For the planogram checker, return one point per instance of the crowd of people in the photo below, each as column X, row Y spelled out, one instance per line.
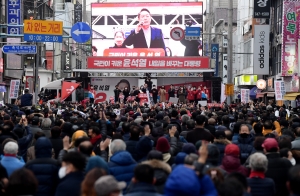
column 187, row 150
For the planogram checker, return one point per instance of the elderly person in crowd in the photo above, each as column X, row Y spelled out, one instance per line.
column 259, row 184
column 46, row 127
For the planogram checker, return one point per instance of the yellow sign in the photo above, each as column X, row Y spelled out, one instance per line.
column 44, row 27
column 229, row 89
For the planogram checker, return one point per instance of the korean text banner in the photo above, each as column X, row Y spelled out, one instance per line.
column 14, row 16
column 261, row 50
column 140, row 26
column 147, row 63
column 290, row 38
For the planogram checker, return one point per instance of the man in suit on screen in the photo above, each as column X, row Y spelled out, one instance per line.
column 145, row 36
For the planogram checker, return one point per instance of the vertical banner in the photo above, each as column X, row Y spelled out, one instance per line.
column 261, row 50
column 77, row 12
column 290, row 37
column 215, row 55
column 14, row 16
column 279, row 90
column 225, row 63
column 262, row 8
column 245, row 95
column 14, row 89
column 66, row 61
column 223, row 96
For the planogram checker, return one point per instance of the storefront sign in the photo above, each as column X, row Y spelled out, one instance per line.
column 261, row 50
column 290, row 37
column 245, row 95
column 14, row 89
column 262, row 8
column 97, row 62
column 279, row 90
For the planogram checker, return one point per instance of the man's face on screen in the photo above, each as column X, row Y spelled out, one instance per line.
column 145, row 17
column 119, row 39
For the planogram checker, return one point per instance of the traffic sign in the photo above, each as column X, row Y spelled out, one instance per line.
column 81, row 32
column 43, row 31
column 192, row 33
column 19, row 49
column 229, row 89
column 177, row 33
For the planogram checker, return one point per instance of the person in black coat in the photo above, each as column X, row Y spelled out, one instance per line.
column 117, row 92
column 96, row 136
column 199, row 133
column 132, row 142
column 149, row 83
column 44, row 167
column 171, row 91
column 154, row 92
column 71, row 174
column 56, row 141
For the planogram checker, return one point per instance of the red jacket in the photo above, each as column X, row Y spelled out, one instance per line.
column 199, row 94
column 191, row 95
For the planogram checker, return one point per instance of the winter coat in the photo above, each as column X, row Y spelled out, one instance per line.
column 44, row 168
column 199, row 134
column 261, row 186
column 233, row 164
column 121, row 166
column 131, row 148
column 246, row 147
column 191, row 95
column 11, row 164
column 181, row 96
column 70, row 185
column 221, row 144
column 161, row 172
column 278, row 170
column 143, row 189
column 57, row 144
column 199, row 94
column 24, row 142
column 162, row 95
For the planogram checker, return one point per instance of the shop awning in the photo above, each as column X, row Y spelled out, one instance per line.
column 290, row 96
column 253, row 93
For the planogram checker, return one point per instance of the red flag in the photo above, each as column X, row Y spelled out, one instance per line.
column 67, row 89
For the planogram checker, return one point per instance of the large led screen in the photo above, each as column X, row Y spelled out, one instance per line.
column 143, row 29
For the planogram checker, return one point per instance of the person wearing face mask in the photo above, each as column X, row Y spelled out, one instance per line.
column 245, row 143
column 71, row 174
column 191, row 94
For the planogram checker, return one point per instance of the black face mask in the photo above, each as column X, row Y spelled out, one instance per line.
column 244, row 135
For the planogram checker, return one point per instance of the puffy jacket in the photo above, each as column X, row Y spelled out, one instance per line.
column 44, row 168
column 221, row 144
column 121, row 166
column 246, row 147
column 233, row 164
column 24, row 141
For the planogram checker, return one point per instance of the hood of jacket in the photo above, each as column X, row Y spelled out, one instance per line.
column 122, row 158
column 43, row 148
column 231, row 163
column 157, row 164
column 96, row 162
column 222, row 141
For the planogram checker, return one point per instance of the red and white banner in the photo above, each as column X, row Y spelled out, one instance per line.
column 142, row 52
column 67, row 89
column 96, row 62
column 216, row 105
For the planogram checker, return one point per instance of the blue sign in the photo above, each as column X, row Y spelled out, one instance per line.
column 81, row 32
column 14, row 16
column 192, row 33
column 19, row 49
column 42, row 38
column 215, row 55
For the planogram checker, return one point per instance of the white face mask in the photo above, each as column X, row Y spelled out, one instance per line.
column 62, row 172
column 293, row 161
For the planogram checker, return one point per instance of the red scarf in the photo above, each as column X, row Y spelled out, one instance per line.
column 95, row 139
column 10, row 155
column 256, row 174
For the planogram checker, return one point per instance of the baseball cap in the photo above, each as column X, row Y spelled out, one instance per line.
column 220, row 134
column 108, row 184
column 270, row 143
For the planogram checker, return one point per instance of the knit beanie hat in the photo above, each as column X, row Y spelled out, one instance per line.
column 233, row 150
column 163, row 145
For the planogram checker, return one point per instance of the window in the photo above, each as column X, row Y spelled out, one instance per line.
column 247, row 56
column 278, row 59
column 278, row 16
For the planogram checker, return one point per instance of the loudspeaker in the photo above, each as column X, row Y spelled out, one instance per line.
column 207, row 75
column 216, row 90
column 84, row 74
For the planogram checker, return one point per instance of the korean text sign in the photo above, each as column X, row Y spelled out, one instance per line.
column 43, row 27
column 214, row 54
column 14, row 16
column 123, row 28
column 149, row 52
column 14, row 89
column 245, row 95
column 290, row 38
column 148, row 63
column 279, row 90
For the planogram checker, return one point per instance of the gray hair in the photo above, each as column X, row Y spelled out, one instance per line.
column 46, row 123
column 117, row 145
column 11, row 148
column 190, row 159
column 258, row 162
column 185, row 118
